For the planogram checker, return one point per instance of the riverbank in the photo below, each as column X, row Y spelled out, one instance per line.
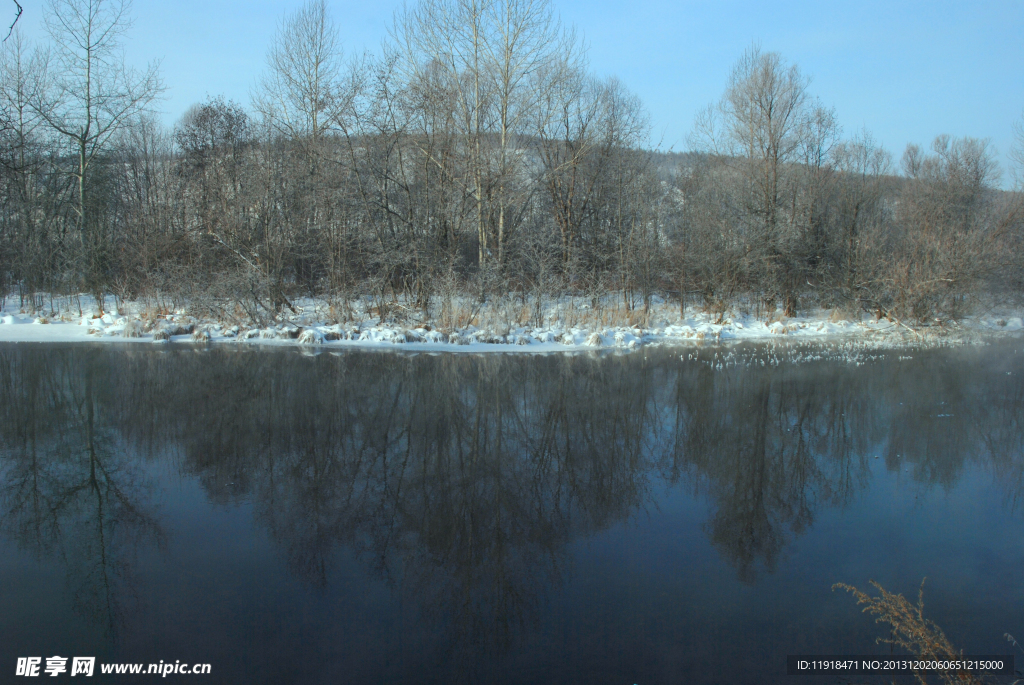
column 564, row 325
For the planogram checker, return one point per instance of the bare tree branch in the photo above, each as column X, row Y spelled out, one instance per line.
column 16, row 18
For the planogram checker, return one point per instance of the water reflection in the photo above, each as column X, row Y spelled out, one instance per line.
column 461, row 480
column 68, row 488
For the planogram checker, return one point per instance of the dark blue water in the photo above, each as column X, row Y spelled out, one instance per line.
column 386, row 518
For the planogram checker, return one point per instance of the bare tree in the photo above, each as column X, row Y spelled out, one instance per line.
column 570, row 145
column 23, row 159
column 495, row 59
column 298, row 91
column 859, row 219
column 91, row 95
column 447, row 37
column 757, row 127
column 1017, row 153
column 525, row 38
column 952, row 230
column 1015, row 244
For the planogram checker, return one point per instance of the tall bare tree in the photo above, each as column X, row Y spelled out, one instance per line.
column 89, row 96
column 858, row 234
column 447, row 36
column 524, row 39
column 298, row 92
column 1017, row 153
column 495, row 57
column 301, row 97
column 23, row 160
column 952, row 228
column 757, row 125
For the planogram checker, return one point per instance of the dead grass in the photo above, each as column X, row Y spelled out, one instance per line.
column 456, row 315
column 844, row 314
column 150, row 313
column 602, row 316
column 910, row 630
column 512, row 312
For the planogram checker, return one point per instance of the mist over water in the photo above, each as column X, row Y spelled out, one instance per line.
column 383, row 517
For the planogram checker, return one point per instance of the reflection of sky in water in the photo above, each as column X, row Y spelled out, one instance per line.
column 378, row 517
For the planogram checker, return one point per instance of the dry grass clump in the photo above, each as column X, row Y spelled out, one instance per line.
column 911, row 630
column 457, row 314
column 847, row 313
column 151, row 315
column 600, row 315
column 133, row 329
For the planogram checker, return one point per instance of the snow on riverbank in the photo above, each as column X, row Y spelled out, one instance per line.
column 136, row 324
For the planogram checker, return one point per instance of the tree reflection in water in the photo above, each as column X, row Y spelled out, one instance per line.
column 461, row 480
column 68, row 486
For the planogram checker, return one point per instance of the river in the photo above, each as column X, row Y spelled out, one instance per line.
column 664, row 516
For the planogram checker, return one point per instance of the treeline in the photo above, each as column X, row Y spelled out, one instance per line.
column 475, row 156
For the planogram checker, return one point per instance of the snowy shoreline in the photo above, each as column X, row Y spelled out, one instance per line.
column 137, row 325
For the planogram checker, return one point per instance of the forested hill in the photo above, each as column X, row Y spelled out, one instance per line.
column 460, row 162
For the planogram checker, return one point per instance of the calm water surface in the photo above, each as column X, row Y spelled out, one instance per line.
column 392, row 518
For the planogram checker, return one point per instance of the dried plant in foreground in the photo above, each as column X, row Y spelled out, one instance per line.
column 911, row 630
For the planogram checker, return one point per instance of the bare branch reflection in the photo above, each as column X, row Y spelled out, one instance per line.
column 69, row 488
column 461, row 480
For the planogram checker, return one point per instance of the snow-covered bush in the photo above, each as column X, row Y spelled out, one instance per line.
column 311, row 336
column 133, row 329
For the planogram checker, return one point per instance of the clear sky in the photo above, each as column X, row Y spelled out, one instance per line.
column 906, row 71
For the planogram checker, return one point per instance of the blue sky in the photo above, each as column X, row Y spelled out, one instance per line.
column 906, row 71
